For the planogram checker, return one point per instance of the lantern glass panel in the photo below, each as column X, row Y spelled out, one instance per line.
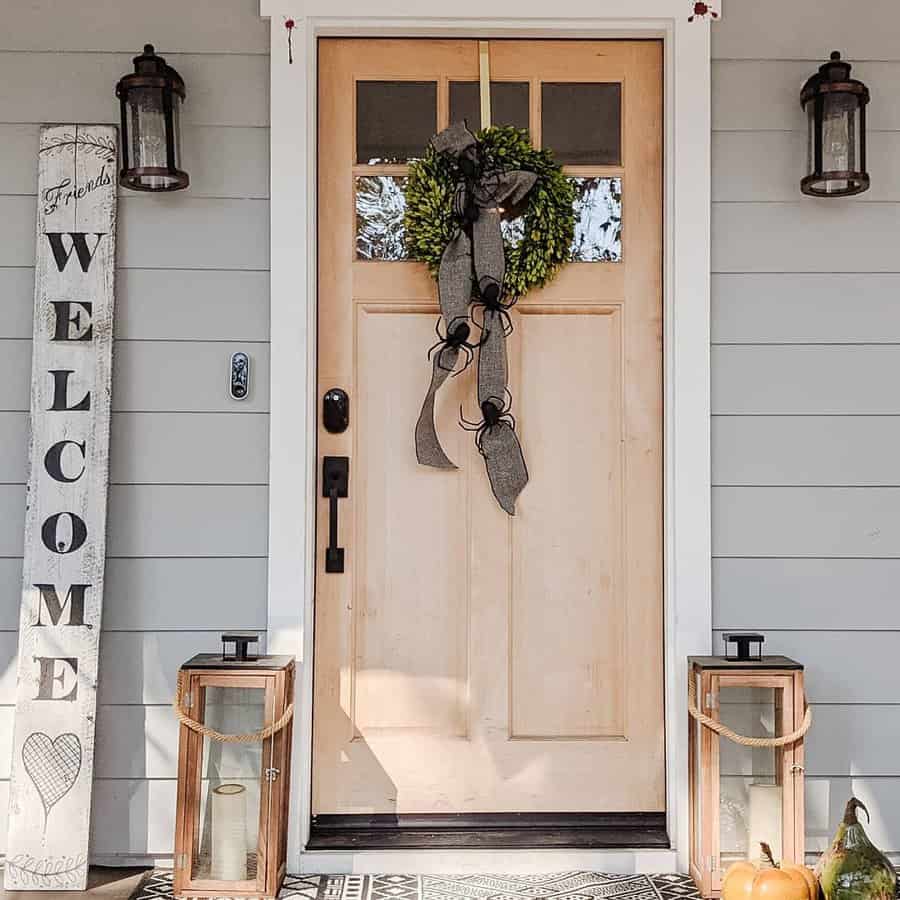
column 810, row 137
column 697, row 765
column 177, row 101
column 227, row 838
column 147, row 134
column 750, row 789
column 840, row 138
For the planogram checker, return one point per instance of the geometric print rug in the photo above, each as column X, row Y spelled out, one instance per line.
column 554, row 886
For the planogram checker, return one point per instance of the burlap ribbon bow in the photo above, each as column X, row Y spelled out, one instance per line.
column 471, row 271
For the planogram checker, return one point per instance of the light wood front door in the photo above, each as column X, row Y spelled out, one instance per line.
column 466, row 661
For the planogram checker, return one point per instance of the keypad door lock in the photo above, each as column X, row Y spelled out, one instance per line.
column 336, row 411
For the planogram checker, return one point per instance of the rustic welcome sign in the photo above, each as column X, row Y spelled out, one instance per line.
column 65, row 519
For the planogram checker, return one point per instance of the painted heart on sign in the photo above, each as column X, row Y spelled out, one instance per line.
column 52, row 766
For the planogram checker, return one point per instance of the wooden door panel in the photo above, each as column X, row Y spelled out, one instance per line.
column 410, row 615
column 566, row 610
column 466, row 661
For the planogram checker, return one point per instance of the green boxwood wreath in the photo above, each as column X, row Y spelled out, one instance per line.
column 549, row 219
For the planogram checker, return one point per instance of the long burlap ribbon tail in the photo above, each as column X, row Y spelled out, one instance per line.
column 472, row 269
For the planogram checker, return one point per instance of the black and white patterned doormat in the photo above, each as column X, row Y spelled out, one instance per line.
column 555, row 886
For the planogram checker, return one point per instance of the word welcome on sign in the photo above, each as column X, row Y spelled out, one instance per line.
column 65, row 519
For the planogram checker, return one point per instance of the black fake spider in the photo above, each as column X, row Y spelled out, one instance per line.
column 456, row 338
column 490, row 300
column 494, row 412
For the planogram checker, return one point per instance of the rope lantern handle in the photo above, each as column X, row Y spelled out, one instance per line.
column 722, row 729
column 249, row 737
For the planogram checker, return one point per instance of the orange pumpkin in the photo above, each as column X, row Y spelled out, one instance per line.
column 747, row 881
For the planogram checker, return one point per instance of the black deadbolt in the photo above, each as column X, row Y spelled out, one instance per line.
column 336, row 411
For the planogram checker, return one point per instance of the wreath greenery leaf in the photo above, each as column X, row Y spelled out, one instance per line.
column 549, row 220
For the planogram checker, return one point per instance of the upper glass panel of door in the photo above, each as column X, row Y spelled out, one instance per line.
column 394, row 120
column 510, row 103
column 580, row 121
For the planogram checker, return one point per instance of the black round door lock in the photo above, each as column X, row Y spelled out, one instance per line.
column 336, row 411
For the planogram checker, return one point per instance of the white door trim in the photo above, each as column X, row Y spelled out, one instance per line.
column 292, row 454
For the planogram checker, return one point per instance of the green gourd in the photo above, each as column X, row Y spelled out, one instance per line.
column 852, row 868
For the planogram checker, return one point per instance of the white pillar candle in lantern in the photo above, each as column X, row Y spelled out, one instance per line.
column 228, row 844
column 765, row 819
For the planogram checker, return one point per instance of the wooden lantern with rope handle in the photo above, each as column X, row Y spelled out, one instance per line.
column 234, row 759
column 748, row 720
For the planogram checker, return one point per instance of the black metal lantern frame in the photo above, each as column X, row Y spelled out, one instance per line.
column 150, row 100
column 835, row 105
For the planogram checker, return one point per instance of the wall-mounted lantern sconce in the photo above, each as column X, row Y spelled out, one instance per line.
column 835, row 106
column 151, row 99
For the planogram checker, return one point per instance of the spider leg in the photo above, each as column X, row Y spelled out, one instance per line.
column 440, row 359
column 434, row 347
column 476, row 306
column 468, row 355
column 479, row 440
column 465, row 424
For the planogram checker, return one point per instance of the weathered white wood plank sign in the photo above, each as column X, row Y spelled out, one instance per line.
column 65, row 519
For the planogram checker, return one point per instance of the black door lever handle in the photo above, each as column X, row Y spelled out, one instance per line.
column 335, row 484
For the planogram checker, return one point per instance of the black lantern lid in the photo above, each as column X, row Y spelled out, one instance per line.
column 240, row 658
column 215, row 661
column 151, row 70
column 747, row 645
column 242, row 640
column 833, row 76
column 764, row 663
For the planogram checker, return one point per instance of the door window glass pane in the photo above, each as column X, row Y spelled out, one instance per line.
column 598, row 220
column 394, row 120
column 509, row 103
column 582, row 122
column 380, row 207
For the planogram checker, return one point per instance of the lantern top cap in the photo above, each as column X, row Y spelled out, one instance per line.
column 215, row 661
column 833, row 75
column 242, row 641
column 765, row 663
column 151, row 70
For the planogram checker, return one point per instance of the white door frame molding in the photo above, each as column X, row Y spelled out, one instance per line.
column 292, row 454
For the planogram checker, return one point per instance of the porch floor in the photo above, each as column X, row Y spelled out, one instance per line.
column 559, row 885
